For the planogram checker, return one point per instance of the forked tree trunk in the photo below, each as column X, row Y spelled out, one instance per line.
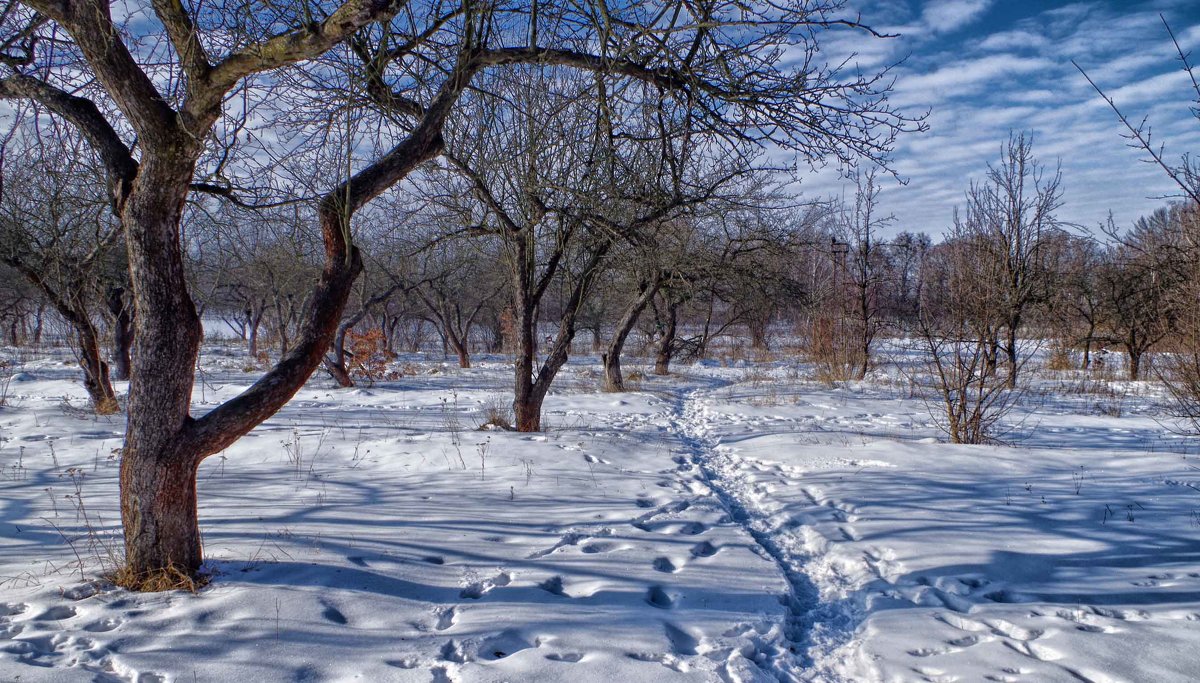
column 666, row 346
column 456, row 339
column 613, row 379
column 164, row 444
column 530, row 392
column 1135, row 363
column 336, row 364
column 87, row 340
column 460, row 349
column 95, row 370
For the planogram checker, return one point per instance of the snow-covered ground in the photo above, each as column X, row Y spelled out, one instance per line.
column 725, row 524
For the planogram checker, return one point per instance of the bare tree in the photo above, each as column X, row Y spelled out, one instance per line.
column 1184, row 368
column 1137, row 279
column 1010, row 216
column 748, row 72
column 860, row 257
column 967, row 394
column 56, row 231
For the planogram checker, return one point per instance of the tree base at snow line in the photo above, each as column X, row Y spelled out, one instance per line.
column 106, row 406
column 170, row 578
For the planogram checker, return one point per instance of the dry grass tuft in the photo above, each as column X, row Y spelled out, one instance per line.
column 169, row 578
column 496, row 412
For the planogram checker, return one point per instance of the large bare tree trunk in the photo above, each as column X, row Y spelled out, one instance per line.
column 158, row 500
column 666, row 346
column 613, row 379
column 122, row 332
column 1011, row 351
column 527, row 402
column 95, row 371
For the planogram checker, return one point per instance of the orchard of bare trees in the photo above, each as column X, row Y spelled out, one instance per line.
column 326, row 188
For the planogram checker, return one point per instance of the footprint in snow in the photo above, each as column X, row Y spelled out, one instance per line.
column 445, row 618
column 333, row 614
column 684, row 643
column 13, row 609
column 657, row 597
column 57, row 613
column 103, row 625
column 571, row 657
column 553, row 586
column 670, row 661
column 478, row 589
column 599, row 547
column 665, row 565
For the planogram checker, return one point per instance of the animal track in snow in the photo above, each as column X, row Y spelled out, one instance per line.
column 553, row 585
column 598, row 547
column 103, row 625
column 571, row 538
column 683, row 642
column 504, row 644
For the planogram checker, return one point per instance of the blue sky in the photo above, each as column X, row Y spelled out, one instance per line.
column 985, row 67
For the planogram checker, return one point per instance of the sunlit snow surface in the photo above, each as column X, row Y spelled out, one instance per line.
column 731, row 523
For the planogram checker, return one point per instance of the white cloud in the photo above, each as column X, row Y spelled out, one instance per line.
column 968, row 76
column 1014, row 40
column 943, row 16
column 1019, row 77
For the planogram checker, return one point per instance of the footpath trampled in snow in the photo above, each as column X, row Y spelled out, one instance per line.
column 718, row 527
column 963, row 563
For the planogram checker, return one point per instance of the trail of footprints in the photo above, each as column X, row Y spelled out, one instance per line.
column 54, row 637
column 661, row 516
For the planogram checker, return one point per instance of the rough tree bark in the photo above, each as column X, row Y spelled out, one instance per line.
column 666, row 345
column 122, row 316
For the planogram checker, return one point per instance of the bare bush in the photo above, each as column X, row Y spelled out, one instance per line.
column 496, row 412
column 834, row 347
column 966, row 399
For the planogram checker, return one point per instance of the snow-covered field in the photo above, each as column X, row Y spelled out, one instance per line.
column 724, row 524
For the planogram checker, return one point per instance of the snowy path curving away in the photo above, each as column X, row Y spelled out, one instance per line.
column 908, row 559
column 730, row 526
column 813, row 631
